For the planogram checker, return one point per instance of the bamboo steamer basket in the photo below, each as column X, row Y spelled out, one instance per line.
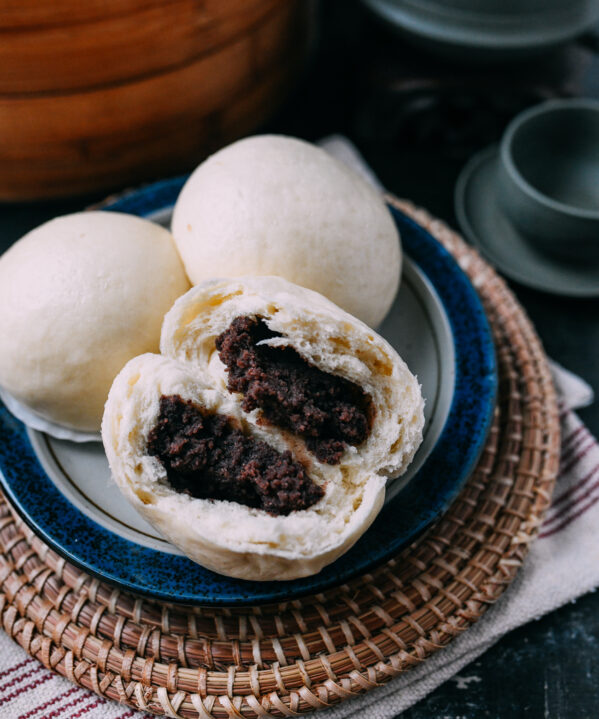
column 99, row 94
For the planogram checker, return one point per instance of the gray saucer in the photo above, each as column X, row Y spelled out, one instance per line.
column 480, row 29
column 486, row 227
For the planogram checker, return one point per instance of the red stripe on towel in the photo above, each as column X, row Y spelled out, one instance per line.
column 14, row 668
column 20, row 677
column 567, row 452
column 98, row 701
column 570, row 519
column 70, row 705
column 572, row 490
column 49, row 703
column 567, row 510
column 569, row 440
column 564, row 469
column 20, row 690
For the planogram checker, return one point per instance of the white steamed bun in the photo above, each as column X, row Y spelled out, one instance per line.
column 274, row 205
column 79, row 297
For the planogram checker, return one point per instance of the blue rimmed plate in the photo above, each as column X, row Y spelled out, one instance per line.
column 63, row 490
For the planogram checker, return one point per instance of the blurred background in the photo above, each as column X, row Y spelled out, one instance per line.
column 99, row 96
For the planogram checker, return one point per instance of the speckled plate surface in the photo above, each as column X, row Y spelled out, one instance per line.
column 438, row 325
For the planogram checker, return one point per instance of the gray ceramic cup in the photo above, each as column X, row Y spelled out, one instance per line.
column 548, row 177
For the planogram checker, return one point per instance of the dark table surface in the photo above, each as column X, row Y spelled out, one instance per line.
column 417, row 119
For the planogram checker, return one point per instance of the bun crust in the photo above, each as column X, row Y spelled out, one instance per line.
column 79, row 297
column 228, row 537
column 298, row 214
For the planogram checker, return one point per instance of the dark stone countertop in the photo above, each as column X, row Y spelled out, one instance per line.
column 417, row 120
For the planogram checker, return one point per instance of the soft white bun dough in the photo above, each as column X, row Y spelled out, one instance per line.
column 79, row 297
column 228, row 537
column 274, row 205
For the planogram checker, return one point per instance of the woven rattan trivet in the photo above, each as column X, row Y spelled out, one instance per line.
column 310, row 653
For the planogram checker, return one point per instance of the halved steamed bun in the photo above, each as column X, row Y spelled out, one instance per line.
column 315, row 408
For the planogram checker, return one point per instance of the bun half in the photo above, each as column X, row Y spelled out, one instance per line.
column 226, row 536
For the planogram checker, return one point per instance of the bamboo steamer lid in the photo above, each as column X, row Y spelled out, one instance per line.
column 95, row 95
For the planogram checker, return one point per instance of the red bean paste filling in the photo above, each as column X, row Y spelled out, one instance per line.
column 328, row 412
column 206, row 457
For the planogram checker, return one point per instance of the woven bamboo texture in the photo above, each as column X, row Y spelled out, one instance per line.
column 315, row 652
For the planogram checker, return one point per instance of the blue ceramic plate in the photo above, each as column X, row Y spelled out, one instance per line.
column 63, row 489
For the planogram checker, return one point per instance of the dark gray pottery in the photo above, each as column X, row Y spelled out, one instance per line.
column 487, row 30
column 548, row 177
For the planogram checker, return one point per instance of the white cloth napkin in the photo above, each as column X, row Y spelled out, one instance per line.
column 563, row 564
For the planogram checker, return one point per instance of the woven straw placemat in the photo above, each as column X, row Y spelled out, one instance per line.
column 310, row 653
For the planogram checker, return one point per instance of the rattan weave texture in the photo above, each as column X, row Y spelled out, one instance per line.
column 314, row 652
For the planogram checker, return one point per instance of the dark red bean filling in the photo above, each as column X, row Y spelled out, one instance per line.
column 206, row 457
column 328, row 412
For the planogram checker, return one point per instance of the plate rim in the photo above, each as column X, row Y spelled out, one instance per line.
column 284, row 591
column 396, row 485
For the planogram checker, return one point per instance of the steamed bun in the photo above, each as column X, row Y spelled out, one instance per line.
column 274, row 205
column 246, row 540
column 79, row 297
